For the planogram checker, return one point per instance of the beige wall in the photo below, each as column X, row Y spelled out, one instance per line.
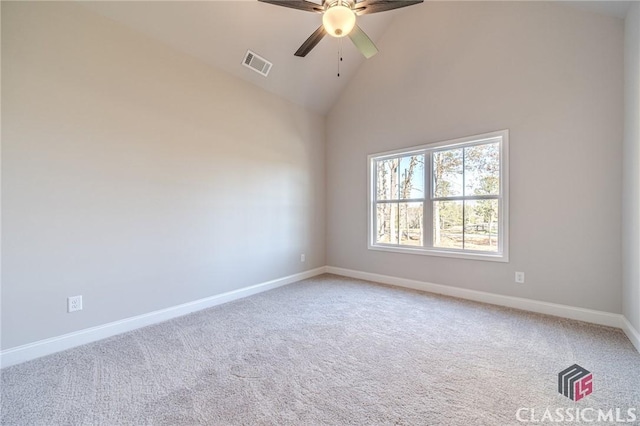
column 631, row 170
column 550, row 74
column 140, row 178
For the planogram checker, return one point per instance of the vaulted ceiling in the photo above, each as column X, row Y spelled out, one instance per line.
column 220, row 32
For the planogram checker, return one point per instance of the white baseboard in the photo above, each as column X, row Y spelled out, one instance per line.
column 52, row 345
column 631, row 333
column 558, row 310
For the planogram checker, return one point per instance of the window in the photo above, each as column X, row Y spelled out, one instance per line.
column 443, row 199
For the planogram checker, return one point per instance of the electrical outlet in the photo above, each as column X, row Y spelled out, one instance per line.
column 302, row 257
column 74, row 303
column 520, row 277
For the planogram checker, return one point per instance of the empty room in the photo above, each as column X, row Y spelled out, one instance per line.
column 320, row 212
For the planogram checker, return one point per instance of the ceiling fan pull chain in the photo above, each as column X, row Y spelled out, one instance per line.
column 339, row 54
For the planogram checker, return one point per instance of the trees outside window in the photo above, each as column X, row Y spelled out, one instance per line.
column 447, row 198
column 400, row 195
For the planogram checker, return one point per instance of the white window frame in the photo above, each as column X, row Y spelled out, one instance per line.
column 502, row 255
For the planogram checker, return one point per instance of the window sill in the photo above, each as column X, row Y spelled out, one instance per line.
column 491, row 257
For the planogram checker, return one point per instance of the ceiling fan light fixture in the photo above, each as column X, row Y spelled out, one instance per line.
column 338, row 20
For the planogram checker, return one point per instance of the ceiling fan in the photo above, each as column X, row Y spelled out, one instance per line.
column 339, row 20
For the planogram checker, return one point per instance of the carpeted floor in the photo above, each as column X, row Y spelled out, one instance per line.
column 329, row 350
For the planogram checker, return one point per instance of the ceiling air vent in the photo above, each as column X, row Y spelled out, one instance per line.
column 257, row 63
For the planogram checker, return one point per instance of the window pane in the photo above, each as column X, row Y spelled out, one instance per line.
column 387, row 179
column 447, row 173
column 410, row 221
column 482, row 169
column 387, row 223
column 412, row 177
column 462, row 186
column 447, row 224
column 481, row 225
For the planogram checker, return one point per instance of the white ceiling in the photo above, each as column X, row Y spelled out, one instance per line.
column 220, row 32
column 617, row 9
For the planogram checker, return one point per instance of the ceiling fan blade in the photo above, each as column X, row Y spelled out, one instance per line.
column 367, row 7
column 296, row 4
column 311, row 42
column 362, row 42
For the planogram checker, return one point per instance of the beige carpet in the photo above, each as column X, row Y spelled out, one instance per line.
column 328, row 350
